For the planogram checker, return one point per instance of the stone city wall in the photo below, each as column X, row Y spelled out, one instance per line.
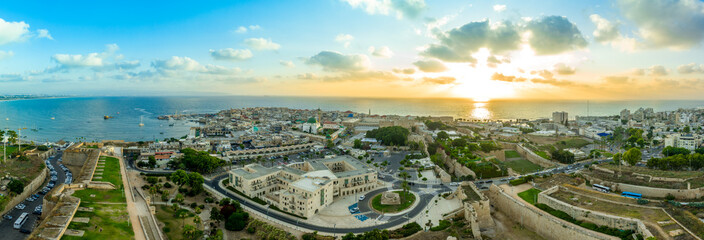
column 534, row 158
column 542, row 223
column 29, row 189
column 455, row 167
column 649, row 191
column 597, row 218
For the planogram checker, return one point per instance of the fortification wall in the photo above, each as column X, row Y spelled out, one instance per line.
column 649, row 191
column 540, row 222
column 597, row 218
column 534, row 158
column 453, row 166
column 29, row 189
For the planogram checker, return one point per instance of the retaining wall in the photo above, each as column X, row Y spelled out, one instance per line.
column 542, row 223
column 597, row 218
column 534, row 158
column 29, row 189
column 650, row 191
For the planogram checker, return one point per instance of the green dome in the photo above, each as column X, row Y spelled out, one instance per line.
column 311, row 120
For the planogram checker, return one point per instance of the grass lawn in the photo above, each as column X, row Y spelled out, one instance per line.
column 530, row 195
column 409, row 197
column 511, row 154
column 523, row 166
column 111, row 173
column 542, row 154
column 107, row 222
column 173, row 225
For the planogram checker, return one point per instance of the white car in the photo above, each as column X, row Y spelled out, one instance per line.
column 361, row 198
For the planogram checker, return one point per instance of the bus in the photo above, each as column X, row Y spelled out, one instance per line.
column 20, row 220
column 632, row 195
column 601, row 188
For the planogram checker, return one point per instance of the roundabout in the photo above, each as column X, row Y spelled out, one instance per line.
column 392, row 201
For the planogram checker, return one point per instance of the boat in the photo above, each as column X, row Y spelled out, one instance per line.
column 171, row 125
column 53, row 118
column 107, row 117
column 141, row 124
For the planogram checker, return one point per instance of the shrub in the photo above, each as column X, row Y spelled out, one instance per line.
column 237, row 221
column 193, row 205
column 442, row 226
column 670, row 197
column 642, row 201
column 251, row 230
column 167, row 185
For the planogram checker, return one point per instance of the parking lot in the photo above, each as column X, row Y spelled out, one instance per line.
column 7, row 225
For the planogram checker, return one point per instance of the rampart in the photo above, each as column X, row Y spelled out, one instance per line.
column 86, row 158
column 453, row 166
column 540, row 222
column 649, row 191
column 597, row 218
column 29, row 189
column 62, row 208
column 534, row 158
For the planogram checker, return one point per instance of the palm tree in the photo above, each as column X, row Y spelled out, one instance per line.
column 197, row 220
column 183, row 215
column 404, row 184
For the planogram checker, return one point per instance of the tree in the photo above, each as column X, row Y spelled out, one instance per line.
column 460, row 142
column 330, row 144
column 442, row 135
column 632, row 156
column 195, row 181
column 348, row 236
column 179, row 177
column 357, row 143
column 237, row 221
column 671, row 151
column 197, row 161
column 404, row 184
column 562, row 156
column 152, row 162
column 216, row 236
column 617, row 158
column 215, row 214
column 191, row 232
column 197, row 219
column 488, row 147
column 12, row 137
column 16, row 186
column 179, row 197
column 390, row 136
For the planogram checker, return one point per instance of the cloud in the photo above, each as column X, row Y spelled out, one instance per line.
column 402, row 8
column 231, row 54
column 243, row 29
column 657, row 70
column 382, row 52
column 334, row 61
column 676, row 24
column 616, row 79
column 607, row 32
column 286, row 63
column 499, row 8
column 505, row 78
column 307, row 76
column 13, row 31
column 104, row 61
column 345, row 39
column 458, row 44
column 552, row 81
column 177, row 64
column 12, row 78
column 554, row 35
column 261, row 44
column 439, row 80
column 682, row 69
column 5, row 55
column 638, row 72
column 43, row 33
column 404, row 70
column 361, row 76
column 430, row 65
column 563, row 69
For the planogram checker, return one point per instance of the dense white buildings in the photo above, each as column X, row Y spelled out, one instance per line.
column 688, row 141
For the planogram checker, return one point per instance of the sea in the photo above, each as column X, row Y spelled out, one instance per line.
column 81, row 118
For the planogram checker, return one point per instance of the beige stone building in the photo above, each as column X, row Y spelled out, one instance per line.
column 304, row 188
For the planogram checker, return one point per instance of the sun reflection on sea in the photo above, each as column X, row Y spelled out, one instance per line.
column 480, row 112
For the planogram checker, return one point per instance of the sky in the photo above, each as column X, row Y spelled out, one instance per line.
column 481, row 50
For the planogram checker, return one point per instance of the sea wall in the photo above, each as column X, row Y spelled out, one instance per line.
column 29, row 189
column 542, row 223
column 597, row 218
column 649, row 191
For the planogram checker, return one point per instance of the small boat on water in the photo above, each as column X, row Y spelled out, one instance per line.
column 53, row 118
column 141, row 124
column 106, row 117
column 171, row 125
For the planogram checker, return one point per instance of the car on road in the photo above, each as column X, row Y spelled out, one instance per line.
column 20, row 206
column 361, row 198
column 354, row 210
column 7, row 217
column 25, row 231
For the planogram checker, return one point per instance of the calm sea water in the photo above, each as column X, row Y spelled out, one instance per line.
column 83, row 117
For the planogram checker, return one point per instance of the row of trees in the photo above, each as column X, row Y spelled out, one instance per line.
column 196, row 161
column 562, row 156
column 390, row 136
column 193, row 179
column 693, row 161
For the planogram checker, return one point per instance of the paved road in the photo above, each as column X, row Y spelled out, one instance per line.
column 6, row 226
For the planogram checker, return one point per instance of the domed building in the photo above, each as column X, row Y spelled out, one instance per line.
column 311, row 126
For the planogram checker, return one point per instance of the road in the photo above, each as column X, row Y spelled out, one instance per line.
column 6, row 226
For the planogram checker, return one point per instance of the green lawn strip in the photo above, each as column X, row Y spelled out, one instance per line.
column 408, row 197
column 523, row 166
column 106, row 222
column 111, row 172
column 115, row 195
column 173, row 225
column 511, row 154
column 542, row 154
column 530, row 195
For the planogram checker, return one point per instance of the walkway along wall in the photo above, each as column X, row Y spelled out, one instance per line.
column 542, row 223
column 29, row 189
column 597, row 218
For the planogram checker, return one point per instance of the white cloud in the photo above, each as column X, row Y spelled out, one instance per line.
column 690, row 68
column 98, row 62
column 286, row 63
column 345, row 39
column 563, row 69
column 243, row 29
column 231, row 54
column 13, row 31
column 382, row 52
column 430, row 65
column 261, row 44
column 439, row 80
column 79, row 60
column 402, row 8
column 658, row 70
column 334, row 61
column 676, row 24
column 607, row 32
column 554, row 35
column 499, row 8
column 43, row 33
column 5, row 55
column 185, row 64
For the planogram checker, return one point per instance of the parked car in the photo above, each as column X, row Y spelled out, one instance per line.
column 7, row 217
column 25, row 231
column 361, row 198
column 20, row 206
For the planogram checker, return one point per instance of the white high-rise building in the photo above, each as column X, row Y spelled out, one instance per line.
column 559, row 117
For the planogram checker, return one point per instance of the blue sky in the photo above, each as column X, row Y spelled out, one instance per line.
column 588, row 49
